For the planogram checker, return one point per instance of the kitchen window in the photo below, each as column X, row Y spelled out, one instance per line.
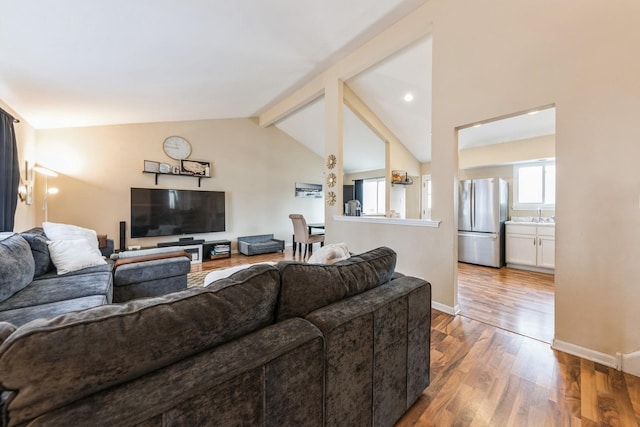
column 534, row 185
column 373, row 194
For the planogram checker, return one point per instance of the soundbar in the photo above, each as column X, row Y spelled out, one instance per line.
column 181, row 242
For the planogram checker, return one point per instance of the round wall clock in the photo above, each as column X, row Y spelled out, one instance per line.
column 176, row 147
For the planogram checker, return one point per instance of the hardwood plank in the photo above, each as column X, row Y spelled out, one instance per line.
column 633, row 388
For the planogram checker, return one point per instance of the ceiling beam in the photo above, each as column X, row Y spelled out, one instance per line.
column 406, row 31
column 368, row 117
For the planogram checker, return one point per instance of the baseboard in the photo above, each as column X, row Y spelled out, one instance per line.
column 631, row 363
column 585, row 353
column 446, row 308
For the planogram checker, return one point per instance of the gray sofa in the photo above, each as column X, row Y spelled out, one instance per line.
column 33, row 289
column 259, row 244
column 291, row 344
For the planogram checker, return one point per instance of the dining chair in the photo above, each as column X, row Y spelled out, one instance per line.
column 301, row 235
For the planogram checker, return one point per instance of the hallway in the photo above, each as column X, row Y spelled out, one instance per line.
column 515, row 300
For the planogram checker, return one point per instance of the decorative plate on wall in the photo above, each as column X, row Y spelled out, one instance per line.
column 331, row 161
column 331, row 198
column 331, row 179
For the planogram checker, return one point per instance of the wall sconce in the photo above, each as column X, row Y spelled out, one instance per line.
column 25, row 190
column 25, row 193
column 46, row 173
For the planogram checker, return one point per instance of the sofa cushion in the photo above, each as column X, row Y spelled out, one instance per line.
column 40, row 251
column 102, row 268
column 95, row 349
column 48, row 289
column 23, row 315
column 307, row 287
column 16, row 264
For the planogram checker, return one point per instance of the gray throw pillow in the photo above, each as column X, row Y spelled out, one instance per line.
column 40, row 251
column 16, row 264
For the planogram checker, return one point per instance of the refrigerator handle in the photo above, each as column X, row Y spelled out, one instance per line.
column 472, row 207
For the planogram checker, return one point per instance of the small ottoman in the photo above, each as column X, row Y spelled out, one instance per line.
column 259, row 244
column 150, row 276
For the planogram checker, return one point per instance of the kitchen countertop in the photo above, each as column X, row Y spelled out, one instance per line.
column 545, row 222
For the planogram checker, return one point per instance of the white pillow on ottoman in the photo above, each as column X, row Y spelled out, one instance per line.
column 329, row 254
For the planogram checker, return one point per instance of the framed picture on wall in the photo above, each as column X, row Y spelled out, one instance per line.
column 308, row 191
column 195, row 167
column 151, row 166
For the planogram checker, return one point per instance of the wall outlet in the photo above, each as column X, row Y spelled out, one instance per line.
column 133, row 248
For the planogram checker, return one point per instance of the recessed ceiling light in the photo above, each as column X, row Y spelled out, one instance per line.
column 408, row 97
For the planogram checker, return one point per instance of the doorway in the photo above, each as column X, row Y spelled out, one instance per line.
column 519, row 296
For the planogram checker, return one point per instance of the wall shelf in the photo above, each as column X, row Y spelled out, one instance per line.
column 407, row 182
column 177, row 174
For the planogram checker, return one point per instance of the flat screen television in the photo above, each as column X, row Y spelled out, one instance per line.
column 163, row 212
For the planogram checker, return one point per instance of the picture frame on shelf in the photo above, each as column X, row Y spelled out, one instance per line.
column 195, row 167
column 151, row 166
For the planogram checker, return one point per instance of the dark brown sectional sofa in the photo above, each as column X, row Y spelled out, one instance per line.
column 287, row 345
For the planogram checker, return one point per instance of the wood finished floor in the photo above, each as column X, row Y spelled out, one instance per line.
column 516, row 300
column 483, row 375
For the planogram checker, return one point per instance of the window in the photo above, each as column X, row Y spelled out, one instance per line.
column 426, row 196
column 534, row 185
column 373, row 191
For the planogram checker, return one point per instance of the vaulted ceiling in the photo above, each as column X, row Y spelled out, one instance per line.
column 82, row 63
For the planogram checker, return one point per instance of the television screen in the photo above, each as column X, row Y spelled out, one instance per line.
column 162, row 212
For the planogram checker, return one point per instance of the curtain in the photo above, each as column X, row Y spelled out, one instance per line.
column 9, row 172
column 358, row 192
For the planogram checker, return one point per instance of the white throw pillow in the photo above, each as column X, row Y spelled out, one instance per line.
column 55, row 231
column 74, row 254
column 329, row 254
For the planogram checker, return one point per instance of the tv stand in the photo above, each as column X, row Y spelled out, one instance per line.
column 181, row 242
column 212, row 249
column 215, row 249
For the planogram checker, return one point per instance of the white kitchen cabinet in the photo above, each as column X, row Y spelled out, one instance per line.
column 546, row 253
column 530, row 246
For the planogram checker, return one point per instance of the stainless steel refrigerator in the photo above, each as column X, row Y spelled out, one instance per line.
column 482, row 210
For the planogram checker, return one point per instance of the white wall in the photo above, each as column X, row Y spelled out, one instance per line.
column 493, row 58
column 256, row 167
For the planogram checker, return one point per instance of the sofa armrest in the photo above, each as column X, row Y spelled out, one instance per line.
column 377, row 352
column 153, row 257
